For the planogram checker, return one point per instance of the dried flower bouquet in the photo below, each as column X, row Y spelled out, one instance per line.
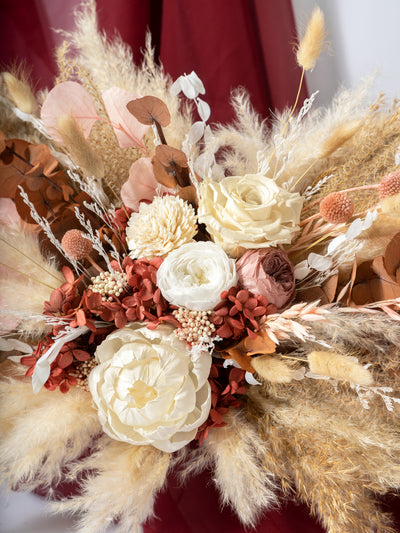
column 180, row 296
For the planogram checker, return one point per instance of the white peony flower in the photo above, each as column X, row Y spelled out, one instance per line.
column 194, row 275
column 149, row 388
column 248, row 212
column 160, row 227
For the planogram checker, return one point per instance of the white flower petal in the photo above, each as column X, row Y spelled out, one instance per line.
column 319, row 262
column 203, row 109
column 149, row 388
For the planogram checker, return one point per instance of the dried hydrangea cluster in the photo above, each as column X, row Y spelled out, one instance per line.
column 168, row 283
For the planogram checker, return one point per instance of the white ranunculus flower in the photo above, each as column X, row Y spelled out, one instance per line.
column 247, row 212
column 194, row 275
column 149, row 388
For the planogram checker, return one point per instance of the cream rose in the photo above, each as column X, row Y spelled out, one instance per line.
column 194, row 275
column 248, row 212
column 149, row 388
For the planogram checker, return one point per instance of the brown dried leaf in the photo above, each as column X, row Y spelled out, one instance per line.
column 392, row 256
column 189, row 194
column 2, row 141
column 167, row 155
column 149, row 110
column 24, row 211
column 162, row 175
column 325, row 293
column 40, row 155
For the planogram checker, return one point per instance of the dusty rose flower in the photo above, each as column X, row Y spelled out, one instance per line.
column 268, row 272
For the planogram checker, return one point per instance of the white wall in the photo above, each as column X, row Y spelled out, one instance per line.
column 364, row 40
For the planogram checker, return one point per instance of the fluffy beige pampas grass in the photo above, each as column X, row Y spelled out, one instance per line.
column 239, row 474
column 121, row 483
column 41, row 434
column 339, row 366
column 27, row 279
column 336, row 459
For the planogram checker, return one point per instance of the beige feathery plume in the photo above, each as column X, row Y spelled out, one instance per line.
column 53, row 421
column 312, row 43
column 273, row 369
column 339, row 366
column 239, row 476
column 339, row 136
column 80, row 149
column 27, row 278
column 20, row 93
column 121, row 482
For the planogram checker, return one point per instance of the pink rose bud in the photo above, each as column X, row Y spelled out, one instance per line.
column 268, row 271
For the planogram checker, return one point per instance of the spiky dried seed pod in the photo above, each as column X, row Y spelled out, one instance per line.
column 75, row 245
column 390, row 185
column 336, row 208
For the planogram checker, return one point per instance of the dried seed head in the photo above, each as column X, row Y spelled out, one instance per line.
column 336, row 208
column 390, row 185
column 312, row 43
column 75, row 245
column 20, row 93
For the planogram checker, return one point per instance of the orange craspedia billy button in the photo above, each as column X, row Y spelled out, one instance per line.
column 75, row 245
column 336, row 208
column 390, row 185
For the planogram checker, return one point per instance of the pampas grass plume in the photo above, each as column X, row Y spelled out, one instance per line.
column 339, row 366
column 340, row 135
column 311, row 45
column 79, row 148
column 272, row 369
column 20, row 93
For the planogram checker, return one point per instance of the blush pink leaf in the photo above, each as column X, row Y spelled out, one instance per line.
column 141, row 184
column 128, row 129
column 72, row 99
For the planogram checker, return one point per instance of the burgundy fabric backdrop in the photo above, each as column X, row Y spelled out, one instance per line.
column 228, row 43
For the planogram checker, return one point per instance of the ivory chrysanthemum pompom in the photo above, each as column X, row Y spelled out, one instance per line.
column 160, row 227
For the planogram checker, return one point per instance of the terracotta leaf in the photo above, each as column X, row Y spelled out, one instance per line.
column 189, row 194
column 24, row 211
column 392, row 256
column 2, row 141
column 163, row 177
column 167, row 155
column 149, row 110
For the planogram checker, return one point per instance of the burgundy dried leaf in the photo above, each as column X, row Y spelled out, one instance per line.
column 149, row 110
column 65, row 359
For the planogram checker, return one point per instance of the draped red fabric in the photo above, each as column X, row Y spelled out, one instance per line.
column 229, row 43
